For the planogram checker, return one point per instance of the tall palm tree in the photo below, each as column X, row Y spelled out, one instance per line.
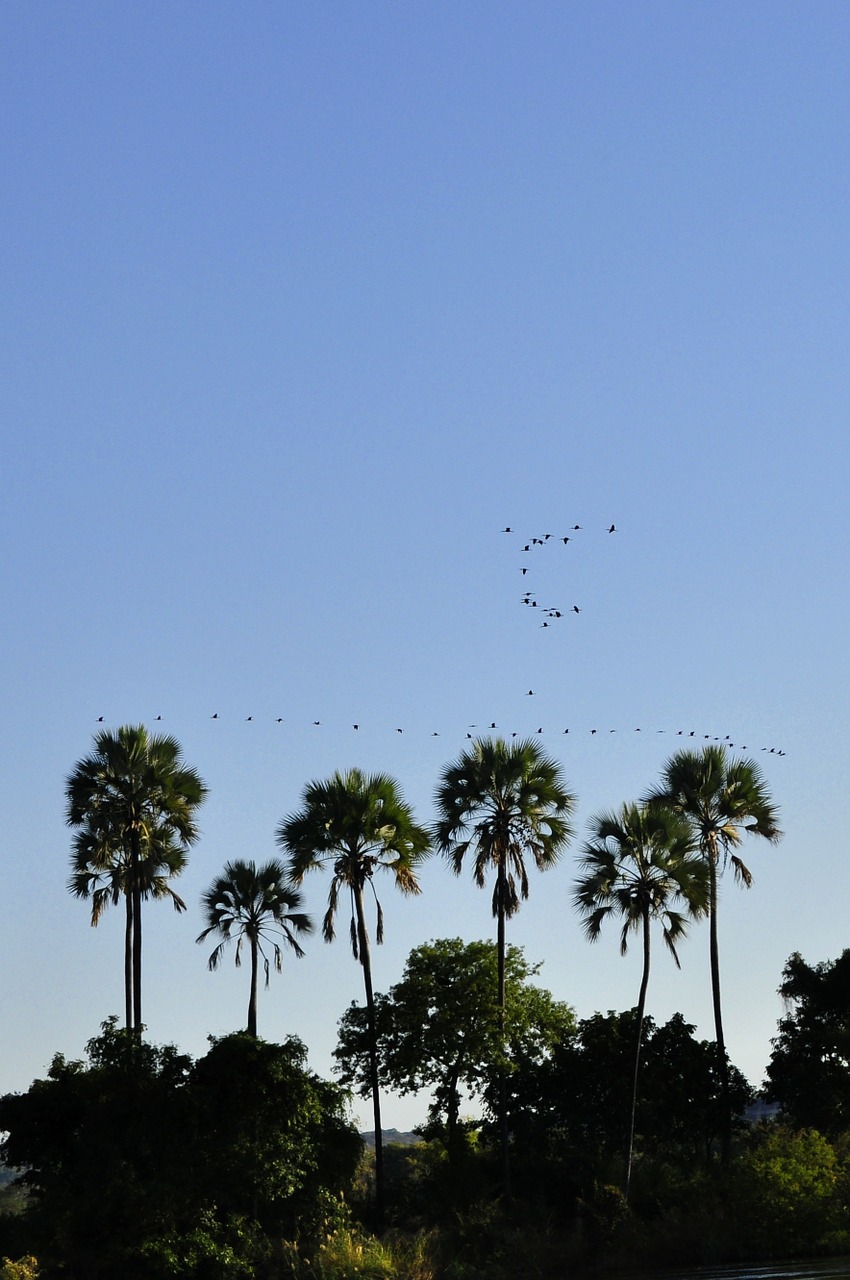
column 723, row 799
column 134, row 784
column 356, row 824
column 254, row 904
column 502, row 802
column 640, row 865
column 100, row 872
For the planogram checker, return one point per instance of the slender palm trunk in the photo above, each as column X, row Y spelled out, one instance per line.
column 136, row 887
column 504, row 1137
column 722, row 1063
column 128, row 961
column 366, row 962
column 252, row 1001
column 644, row 983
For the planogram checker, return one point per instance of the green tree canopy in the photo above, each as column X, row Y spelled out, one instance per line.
column 138, row 1144
column 809, row 1069
column 438, row 1028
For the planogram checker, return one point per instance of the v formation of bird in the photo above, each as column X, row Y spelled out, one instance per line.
column 549, row 613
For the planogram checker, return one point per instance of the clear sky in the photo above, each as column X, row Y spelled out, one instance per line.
column 302, row 304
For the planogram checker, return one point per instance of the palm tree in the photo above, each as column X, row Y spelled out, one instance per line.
column 722, row 799
column 639, row 863
column 356, row 824
column 100, row 871
column 133, row 785
column 254, row 904
column 503, row 801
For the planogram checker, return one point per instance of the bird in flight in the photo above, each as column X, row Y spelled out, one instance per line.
column 214, row 716
column 613, row 529
column 507, row 529
column 576, row 609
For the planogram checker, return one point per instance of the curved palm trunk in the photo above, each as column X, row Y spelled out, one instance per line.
column 136, row 888
column 644, row 983
column 252, row 1001
column 722, row 1063
column 366, row 962
column 504, row 1137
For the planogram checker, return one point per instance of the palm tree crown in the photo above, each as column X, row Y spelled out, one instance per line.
column 355, row 824
column 502, row 801
column 639, row 863
column 134, row 792
column 257, row 905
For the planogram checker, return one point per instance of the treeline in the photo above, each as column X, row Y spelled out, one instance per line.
column 593, row 1134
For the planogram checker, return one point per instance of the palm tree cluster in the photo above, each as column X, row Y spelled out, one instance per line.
column 500, row 805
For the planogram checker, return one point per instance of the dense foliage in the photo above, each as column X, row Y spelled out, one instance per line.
column 135, row 1147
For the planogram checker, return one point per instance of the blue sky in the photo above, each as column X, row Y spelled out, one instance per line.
column 301, row 306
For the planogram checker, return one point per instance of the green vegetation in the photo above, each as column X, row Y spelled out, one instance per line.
column 139, row 1162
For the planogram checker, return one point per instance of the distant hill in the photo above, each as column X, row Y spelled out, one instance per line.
column 394, row 1136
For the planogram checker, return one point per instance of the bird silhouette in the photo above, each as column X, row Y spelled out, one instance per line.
column 214, row 716
column 399, row 730
column 507, row 529
column 523, row 571
column 159, row 717
column 100, row 719
column 530, row 693
column 565, row 541
column 317, row 722
column 355, row 726
column 613, row 529
column 576, row 526
column 280, row 720
column 248, row 718
column 576, row 609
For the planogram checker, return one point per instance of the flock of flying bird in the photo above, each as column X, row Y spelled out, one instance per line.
column 550, row 614
column 486, row 728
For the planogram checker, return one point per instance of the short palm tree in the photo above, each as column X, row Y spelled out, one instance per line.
column 501, row 802
column 134, row 784
column 256, row 905
column 640, row 865
column 100, row 872
column 722, row 799
column 354, row 825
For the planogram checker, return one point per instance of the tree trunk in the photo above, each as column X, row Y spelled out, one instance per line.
column 128, row 961
column 366, row 962
column 722, row 1063
column 136, row 885
column 252, row 1002
column 644, row 983
column 504, row 1137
